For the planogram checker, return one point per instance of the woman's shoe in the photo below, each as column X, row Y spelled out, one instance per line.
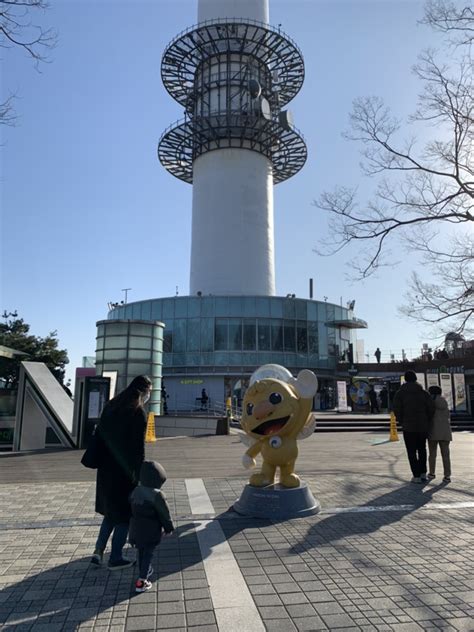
column 120, row 564
column 431, row 476
column 447, row 479
column 97, row 557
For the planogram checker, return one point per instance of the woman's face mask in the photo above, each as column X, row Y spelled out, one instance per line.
column 146, row 397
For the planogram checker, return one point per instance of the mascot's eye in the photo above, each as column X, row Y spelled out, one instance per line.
column 249, row 409
column 275, row 398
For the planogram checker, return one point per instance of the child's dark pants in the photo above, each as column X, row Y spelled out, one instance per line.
column 145, row 555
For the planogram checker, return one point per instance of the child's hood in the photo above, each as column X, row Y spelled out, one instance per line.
column 152, row 474
column 441, row 403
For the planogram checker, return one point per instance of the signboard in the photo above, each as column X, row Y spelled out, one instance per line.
column 431, row 380
column 460, row 400
column 446, row 389
column 342, row 397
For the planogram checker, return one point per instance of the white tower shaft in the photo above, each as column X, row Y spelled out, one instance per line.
column 232, row 248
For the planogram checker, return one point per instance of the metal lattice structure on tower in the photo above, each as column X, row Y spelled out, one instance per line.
column 233, row 78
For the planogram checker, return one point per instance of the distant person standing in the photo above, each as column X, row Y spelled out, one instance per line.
column 378, row 354
column 204, row 399
column 384, row 398
column 414, row 409
column 374, row 407
column 440, row 434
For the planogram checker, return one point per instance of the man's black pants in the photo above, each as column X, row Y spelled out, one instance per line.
column 415, row 443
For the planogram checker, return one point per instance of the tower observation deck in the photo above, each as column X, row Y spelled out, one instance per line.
column 233, row 76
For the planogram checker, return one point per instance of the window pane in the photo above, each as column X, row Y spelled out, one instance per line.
column 313, row 337
column 312, row 310
column 156, row 310
column 179, row 335
column 115, row 354
column 300, row 310
column 158, row 342
column 207, row 306
column 146, row 310
column 115, row 366
column 277, row 335
column 235, row 334
column 264, row 334
column 137, row 311
column 139, row 342
column 168, row 340
column 249, row 306
column 99, row 356
column 140, row 330
column 289, row 336
column 99, row 343
column 289, row 308
column 193, row 334
column 194, row 307
column 168, row 308
column 235, row 306
column 222, row 306
column 139, row 354
column 263, row 306
column 250, row 343
column 116, row 342
column 207, row 334
column 276, row 308
column 301, row 336
column 116, row 329
column 180, row 308
column 221, row 334
column 101, row 330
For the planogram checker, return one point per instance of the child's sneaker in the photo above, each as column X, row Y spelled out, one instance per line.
column 431, row 476
column 416, row 479
column 97, row 557
column 447, row 479
column 142, row 585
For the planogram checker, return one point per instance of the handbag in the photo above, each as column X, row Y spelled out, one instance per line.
column 92, row 457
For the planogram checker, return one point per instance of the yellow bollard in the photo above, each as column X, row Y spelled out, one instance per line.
column 150, row 435
column 393, row 428
column 228, row 408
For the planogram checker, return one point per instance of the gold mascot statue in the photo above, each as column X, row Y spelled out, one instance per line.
column 276, row 413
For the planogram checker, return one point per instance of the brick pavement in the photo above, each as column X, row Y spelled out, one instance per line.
column 374, row 566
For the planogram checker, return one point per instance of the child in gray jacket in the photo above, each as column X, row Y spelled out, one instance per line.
column 439, row 434
column 150, row 516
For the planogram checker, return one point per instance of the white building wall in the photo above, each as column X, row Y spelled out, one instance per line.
column 249, row 9
column 232, row 248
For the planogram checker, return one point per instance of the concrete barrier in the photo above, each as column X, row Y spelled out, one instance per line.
column 182, row 426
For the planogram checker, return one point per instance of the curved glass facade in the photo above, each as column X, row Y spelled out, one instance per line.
column 235, row 334
column 131, row 347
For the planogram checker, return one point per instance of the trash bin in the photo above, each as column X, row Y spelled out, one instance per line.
column 222, row 427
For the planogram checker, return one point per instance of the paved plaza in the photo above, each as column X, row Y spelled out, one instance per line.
column 383, row 554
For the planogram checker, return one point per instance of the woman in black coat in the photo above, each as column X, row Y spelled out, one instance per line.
column 121, row 436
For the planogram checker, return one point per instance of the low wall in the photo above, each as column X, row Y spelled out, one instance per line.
column 170, row 426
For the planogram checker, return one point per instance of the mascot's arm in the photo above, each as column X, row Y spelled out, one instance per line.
column 248, row 460
column 308, row 429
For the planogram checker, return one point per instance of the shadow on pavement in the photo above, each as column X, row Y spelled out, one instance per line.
column 387, row 509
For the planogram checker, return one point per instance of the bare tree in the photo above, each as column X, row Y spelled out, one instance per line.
column 17, row 30
column 420, row 189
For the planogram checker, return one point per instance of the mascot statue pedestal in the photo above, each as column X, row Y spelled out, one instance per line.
column 276, row 502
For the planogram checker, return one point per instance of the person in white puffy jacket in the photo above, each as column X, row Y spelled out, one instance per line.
column 439, row 434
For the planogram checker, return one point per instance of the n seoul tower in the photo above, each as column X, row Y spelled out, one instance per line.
column 234, row 74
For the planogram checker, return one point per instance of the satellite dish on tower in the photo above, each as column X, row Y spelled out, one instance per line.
column 264, row 109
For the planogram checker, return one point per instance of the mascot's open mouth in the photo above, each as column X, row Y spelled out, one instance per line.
column 271, row 426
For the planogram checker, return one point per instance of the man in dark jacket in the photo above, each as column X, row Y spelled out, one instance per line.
column 414, row 409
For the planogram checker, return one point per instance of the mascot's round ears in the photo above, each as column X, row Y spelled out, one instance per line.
column 305, row 384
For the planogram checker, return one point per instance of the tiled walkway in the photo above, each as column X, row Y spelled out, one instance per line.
column 399, row 557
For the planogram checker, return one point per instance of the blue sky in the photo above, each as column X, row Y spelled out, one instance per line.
column 87, row 208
